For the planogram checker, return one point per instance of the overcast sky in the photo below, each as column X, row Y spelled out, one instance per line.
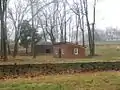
column 108, row 13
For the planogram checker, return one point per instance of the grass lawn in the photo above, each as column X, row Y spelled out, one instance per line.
column 84, row 81
column 104, row 52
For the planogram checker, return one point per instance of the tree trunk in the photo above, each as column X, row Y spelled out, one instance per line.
column 2, row 46
column 9, row 51
column 15, row 49
column 44, row 35
column 93, row 41
column 77, row 26
column 77, row 36
column 93, row 30
column 3, row 39
column 89, row 35
column 83, row 39
column 70, row 31
column 61, row 33
column 5, row 34
column 5, row 44
column 65, row 22
column 3, row 5
column 33, row 46
column 34, row 53
column 26, row 50
column 65, row 32
column 33, row 33
column 88, row 26
column 52, row 39
column 5, row 48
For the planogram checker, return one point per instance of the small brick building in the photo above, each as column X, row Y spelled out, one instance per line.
column 68, row 50
column 44, row 48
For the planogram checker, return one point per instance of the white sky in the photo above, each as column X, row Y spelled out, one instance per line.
column 108, row 13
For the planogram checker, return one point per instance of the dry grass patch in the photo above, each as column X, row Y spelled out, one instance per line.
column 83, row 81
column 105, row 53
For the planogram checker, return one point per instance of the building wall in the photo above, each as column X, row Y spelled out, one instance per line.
column 43, row 48
column 56, row 51
column 70, row 52
column 67, row 51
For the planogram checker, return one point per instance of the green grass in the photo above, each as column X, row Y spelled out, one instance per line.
column 83, row 81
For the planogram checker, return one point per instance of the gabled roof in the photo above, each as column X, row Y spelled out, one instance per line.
column 68, row 43
column 44, row 43
column 59, row 43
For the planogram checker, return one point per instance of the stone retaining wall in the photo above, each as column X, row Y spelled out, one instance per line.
column 57, row 68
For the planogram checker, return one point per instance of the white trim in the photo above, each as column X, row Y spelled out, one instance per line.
column 76, row 51
column 62, row 51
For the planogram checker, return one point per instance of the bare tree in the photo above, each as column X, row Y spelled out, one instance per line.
column 3, row 6
column 53, row 21
column 79, row 12
column 17, row 16
column 81, row 9
column 77, row 27
column 35, row 14
column 61, row 24
column 21, row 11
column 93, row 29
column 81, row 21
column 90, row 32
column 85, row 3
column 70, row 29
column 33, row 31
column 48, row 21
column 41, row 8
column 65, row 23
column 7, row 31
column 43, row 29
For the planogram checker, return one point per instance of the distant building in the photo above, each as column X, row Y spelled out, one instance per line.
column 68, row 50
column 44, row 47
